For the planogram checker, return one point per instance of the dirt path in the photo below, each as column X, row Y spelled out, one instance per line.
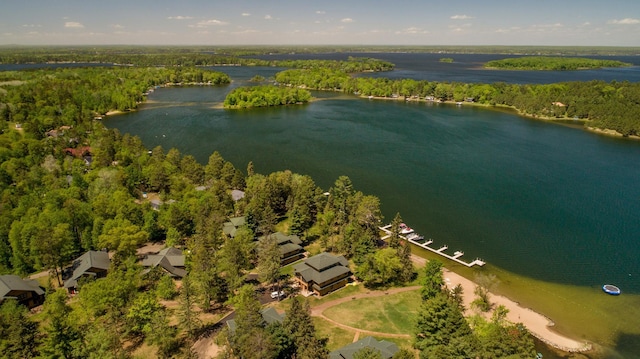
column 318, row 311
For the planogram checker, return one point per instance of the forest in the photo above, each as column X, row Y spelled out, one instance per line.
column 549, row 63
column 265, row 96
column 603, row 105
column 69, row 185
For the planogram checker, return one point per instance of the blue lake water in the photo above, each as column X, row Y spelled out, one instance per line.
column 543, row 200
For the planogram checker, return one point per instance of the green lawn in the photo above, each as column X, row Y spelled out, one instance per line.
column 392, row 313
column 338, row 337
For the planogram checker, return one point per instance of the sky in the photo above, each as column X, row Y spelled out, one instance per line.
column 326, row 22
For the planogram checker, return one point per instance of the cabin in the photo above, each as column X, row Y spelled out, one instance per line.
column 93, row 264
column 386, row 349
column 26, row 292
column 290, row 247
column 170, row 260
column 322, row 273
column 229, row 228
column 269, row 315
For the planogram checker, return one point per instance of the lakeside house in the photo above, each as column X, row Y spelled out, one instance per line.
column 386, row 349
column 170, row 260
column 94, row 264
column 290, row 247
column 229, row 228
column 26, row 292
column 322, row 273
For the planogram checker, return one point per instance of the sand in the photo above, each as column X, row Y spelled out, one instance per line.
column 539, row 325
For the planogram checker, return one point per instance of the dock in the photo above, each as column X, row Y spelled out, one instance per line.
column 420, row 242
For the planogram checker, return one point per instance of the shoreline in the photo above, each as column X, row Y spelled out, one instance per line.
column 538, row 324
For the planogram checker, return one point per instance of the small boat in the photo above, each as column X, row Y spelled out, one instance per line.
column 404, row 229
column 611, row 289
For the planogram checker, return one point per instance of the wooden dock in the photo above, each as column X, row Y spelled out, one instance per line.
column 441, row 251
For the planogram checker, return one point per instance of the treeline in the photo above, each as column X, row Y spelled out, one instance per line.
column 555, row 63
column 187, row 59
column 605, row 105
column 43, row 100
column 265, row 96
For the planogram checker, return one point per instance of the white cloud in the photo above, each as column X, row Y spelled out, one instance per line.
column 31, row 25
column 180, row 17
column 346, row 20
column 461, row 17
column 268, row 17
column 117, row 26
column 627, row 21
column 73, row 25
column 412, row 31
column 207, row 23
column 246, row 14
column 321, row 12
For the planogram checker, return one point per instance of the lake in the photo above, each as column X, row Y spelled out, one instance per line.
column 544, row 201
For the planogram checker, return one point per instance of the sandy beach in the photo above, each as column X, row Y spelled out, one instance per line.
column 539, row 325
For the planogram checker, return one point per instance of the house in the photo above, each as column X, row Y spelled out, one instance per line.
column 93, row 264
column 230, row 228
column 322, row 273
column 26, row 292
column 386, row 349
column 171, row 260
column 290, row 248
column 269, row 315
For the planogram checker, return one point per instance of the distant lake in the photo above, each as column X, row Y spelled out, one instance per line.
column 468, row 68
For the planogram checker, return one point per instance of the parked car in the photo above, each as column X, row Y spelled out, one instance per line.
column 277, row 294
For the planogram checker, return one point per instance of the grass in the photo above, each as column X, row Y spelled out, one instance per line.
column 338, row 337
column 392, row 313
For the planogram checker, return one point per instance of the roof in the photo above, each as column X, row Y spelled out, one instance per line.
column 282, row 238
column 90, row 260
column 229, row 228
column 237, row 195
column 237, row 221
column 332, row 267
column 326, row 260
column 386, row 349
column 10, row 282
column 288, row 248
column 169, row 258
column 269, row 314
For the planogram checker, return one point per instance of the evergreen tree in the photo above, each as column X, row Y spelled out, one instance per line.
column 19, row 337
column 187, row 317
column 299, row 325
column 62, row 337
column 269, row 259
column 433, row 281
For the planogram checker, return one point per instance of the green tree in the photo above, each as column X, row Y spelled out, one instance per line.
column 298, row 324
column 433, row 281
column 62, row 337
column 269, row 262
column 19, row 336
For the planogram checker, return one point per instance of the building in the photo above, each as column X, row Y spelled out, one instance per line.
column 171, row 260
column 94, row 264
column 290, row 247
column 322, row 273
column 269, row 315
column 26, row 292
column 386, row 349
column 230, row 228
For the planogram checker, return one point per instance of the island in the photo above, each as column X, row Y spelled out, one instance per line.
column 265, row 96
column 552, row 63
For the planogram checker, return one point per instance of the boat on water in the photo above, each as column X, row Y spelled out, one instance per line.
column 611, row 289
column 404, row 229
